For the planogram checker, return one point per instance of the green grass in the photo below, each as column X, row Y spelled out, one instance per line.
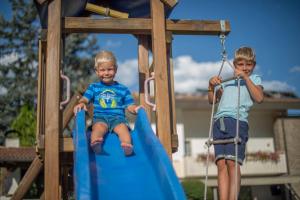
column 194, row 190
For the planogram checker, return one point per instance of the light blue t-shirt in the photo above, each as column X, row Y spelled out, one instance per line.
column 109, row 100
column 228, row 103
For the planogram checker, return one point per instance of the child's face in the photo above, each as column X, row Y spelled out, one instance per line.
column 246, row 66
column 106, row 72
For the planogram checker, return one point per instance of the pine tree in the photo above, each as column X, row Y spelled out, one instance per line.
column 18, row 70
column 19, row 57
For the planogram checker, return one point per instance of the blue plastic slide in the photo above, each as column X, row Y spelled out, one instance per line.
column 146, row 175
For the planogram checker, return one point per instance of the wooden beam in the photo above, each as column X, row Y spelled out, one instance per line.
column 162, row 90
column 112, row 25
column 52, row 110
column 142, row 26
column 27, row 180
column 170, row 3
column 143, row 64
column 68, row 111
column 66, row 144
column 196, row 27
column 41, row 1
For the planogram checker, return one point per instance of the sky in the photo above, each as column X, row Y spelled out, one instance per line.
column 271, row 27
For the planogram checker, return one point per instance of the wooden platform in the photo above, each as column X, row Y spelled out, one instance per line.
column 16, row 157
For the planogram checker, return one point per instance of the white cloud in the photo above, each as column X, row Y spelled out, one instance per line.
column 295, row 69
column 128, row 74
column 112, row 44
column 190, row 75
column 279, row 86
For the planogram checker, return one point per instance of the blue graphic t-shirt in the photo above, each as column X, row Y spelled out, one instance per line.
column 108, row 100
column 228, row 103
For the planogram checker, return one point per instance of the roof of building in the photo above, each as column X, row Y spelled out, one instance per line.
column 272, row 101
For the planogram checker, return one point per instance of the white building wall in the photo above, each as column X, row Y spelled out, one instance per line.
column 196, row 123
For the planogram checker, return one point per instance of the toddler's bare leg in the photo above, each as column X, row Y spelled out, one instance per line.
column 122, row 131
column 223, row 179
column 98, row 131
column 232, row 179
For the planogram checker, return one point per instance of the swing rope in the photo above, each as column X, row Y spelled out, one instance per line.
column 235, row 140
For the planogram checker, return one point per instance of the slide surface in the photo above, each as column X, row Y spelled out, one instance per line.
column 147, row 174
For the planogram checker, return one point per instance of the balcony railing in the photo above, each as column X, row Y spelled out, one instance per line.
column 261, row 159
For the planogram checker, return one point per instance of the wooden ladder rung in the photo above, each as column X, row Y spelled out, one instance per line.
column 225, row 141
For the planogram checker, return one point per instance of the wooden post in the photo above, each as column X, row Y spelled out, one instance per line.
column 143, row 63
column 65, row 172
column 40, row 128
column 162, row 90
column 52, row 112
column 174, row 136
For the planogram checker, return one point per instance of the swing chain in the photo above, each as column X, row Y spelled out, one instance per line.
column 223, row 52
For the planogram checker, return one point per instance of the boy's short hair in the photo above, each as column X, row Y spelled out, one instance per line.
column 103, row 57
column 244, row 53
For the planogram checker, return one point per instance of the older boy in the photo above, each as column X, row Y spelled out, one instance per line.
column 225, row 118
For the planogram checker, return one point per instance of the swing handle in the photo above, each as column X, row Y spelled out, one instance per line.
column 68, row 89
column 229, row 79
column 147, row 95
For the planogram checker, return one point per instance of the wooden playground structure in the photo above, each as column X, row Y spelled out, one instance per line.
column 154, row 35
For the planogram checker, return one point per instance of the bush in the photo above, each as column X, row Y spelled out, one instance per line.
column 194, row 190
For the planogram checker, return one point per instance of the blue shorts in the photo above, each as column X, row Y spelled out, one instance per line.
column 225, row 128
column 111, row 121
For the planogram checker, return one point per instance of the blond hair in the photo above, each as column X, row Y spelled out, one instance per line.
column 244, row 53
column 103, row 57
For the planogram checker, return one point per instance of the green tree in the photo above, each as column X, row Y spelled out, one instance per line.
column 25, row 124
column 19, row 57
column 18, row 70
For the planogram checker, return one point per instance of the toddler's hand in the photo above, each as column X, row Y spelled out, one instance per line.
column 78, row 108
column 137, row 108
